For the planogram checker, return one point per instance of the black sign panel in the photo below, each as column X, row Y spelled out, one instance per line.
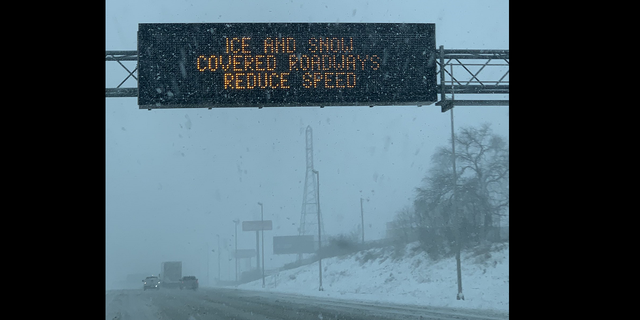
column 210, row 65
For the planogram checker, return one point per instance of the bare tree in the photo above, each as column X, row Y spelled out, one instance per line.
column 482, row 161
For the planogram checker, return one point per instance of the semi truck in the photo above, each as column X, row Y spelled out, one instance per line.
column 170, row 274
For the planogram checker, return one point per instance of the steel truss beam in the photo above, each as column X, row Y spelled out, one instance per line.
column 119, row 56
column 472, row 72
column 465, row 72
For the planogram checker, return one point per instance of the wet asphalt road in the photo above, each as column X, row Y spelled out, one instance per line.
column 219, row 303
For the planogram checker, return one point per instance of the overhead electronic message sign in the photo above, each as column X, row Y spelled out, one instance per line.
column 211, row 65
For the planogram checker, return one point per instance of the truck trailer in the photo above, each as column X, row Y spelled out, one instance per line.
column 170, row 274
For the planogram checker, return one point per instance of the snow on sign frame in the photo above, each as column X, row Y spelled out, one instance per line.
column 226, row 65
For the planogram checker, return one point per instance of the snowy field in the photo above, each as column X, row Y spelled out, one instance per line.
column 379, row 275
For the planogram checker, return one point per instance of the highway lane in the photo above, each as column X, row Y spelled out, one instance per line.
column 219, row 303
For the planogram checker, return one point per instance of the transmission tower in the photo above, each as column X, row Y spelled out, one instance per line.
column 309, row 214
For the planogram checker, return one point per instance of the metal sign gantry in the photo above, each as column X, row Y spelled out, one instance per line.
column 119, row 57
column 460, row 72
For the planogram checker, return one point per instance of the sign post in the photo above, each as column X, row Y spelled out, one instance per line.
column 213, row 65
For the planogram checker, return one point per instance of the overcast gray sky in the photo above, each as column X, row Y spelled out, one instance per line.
column 177, row 177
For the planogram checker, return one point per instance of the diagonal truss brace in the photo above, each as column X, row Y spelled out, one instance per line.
column 494, row 66
column 119, row 56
